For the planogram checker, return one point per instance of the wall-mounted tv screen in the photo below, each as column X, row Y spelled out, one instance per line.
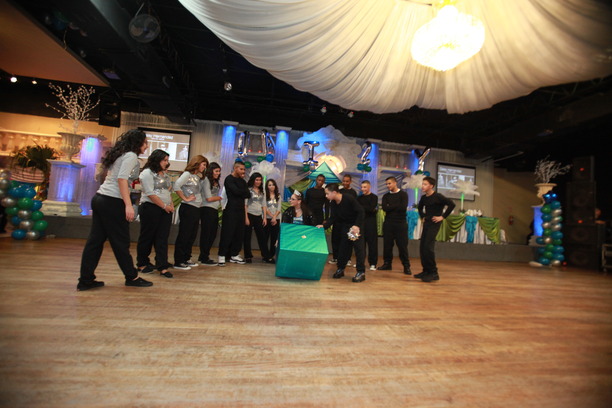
column 174, row 142
column 448, row 174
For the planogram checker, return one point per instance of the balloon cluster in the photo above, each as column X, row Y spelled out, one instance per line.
column 311, row 163
column 24, row 212
column 551, row 250
column 268, row 145
column 422, row 156
column 364, row 164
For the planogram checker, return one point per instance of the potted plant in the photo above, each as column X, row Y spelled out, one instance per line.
column 30, row 164
column 545, row 171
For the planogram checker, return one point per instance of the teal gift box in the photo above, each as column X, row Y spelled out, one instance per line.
column 302, row 252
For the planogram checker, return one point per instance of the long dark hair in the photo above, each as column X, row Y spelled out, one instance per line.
column 154, row 161
column 251, row 182
column 209, row 174
column 276, row 192
column 130, row 141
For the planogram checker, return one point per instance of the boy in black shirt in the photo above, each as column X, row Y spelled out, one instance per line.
column 316, row 201
column 395, row 227
column 335, row 236
column 369, row 202
column 347, row 215
column 431, row 207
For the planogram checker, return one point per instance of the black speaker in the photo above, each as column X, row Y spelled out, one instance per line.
column 583, row 245
column 110, row 114
column 580, row 203
column 583, row 168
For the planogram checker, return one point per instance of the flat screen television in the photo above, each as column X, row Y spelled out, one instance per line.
column 449, row 173
column 176, row 143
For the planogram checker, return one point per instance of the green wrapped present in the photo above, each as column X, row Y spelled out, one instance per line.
column 302, row 252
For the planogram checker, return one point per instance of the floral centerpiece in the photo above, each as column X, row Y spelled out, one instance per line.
column 545, row 171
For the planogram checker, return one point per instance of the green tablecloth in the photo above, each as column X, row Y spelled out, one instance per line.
column 453, row 223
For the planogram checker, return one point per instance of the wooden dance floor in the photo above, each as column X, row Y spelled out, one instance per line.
column 486, row 335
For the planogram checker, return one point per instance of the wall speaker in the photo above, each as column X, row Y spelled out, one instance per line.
column 580, row 203
column 583, row 168
column 583, row 245
column 110, row 114
column 583, row 257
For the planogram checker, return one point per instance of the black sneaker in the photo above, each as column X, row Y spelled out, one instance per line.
column 209, row 262
column 182, row 266
column 419, row 275
column 339, row 273
column 407, row 271
column 147, row 269
column 139, row 282
column 359, row 277
column 269, row 260
column 430, row 277
column 166, row 274
column 81, row 286
column 385, row 267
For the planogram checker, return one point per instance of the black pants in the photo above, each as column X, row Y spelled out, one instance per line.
column 427, row 246
column 209, row 224
column 108, row 222
column 346, row 249
column 395, row 232
column 317, row 216
column 189, row 218
column 154, row 230
column 370, row 236
column 255, row 223
column 232, row 232
column 272, row 232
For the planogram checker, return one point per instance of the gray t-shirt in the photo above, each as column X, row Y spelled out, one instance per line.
column 273, row 206
column 208, row 192
column 155, row 184
column 255, row 203
column 126, row 167
column 189, row 184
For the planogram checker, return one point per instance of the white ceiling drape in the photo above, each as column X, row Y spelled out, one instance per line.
column 356, row 53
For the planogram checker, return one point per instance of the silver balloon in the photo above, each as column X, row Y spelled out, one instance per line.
column 557, row 212
column 24, row 214
column 556, row 220
column 311, row 153
column 548, row 240
column 8, row 202
column 556, row 227
column 556, row 262
column 5, row 184
column 3, row 193
column 26, row 225
column 5, row 174
column 33, row 235
column 546, row 225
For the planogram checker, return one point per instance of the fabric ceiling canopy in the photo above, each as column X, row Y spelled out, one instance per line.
column 356, row 53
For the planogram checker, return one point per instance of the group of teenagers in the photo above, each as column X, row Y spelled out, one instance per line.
column 250, row 206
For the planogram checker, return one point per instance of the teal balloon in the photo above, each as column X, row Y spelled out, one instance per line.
column 557, row 235
column 544, row 261
column 559, row 257
column 547, row 233
column 25, row 203
column 15, row 220
column 29, row 192
column 541, row 250
column 19, row 234
column 360, row 166
column 37, row 215
column 12, row 211
column 15, row 192
column 555, row 204
column 547, row 255
column 558, row 249
column 539, row 240
column 36, row 205
column 426, row 173
column 547, row 217
column 41, row 225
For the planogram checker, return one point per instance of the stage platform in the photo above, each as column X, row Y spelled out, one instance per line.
column 78, row 227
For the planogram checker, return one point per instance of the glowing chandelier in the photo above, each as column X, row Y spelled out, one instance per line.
column 448, row 39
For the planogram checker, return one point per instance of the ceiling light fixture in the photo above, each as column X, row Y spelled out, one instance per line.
column 13, row 79
column 448, row 39
column 324, row 110
column 227, row 86
column 350, row 114
column 34, row 82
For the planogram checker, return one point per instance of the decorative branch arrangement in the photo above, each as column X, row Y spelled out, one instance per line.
column 546, row 170
column 74, row 105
